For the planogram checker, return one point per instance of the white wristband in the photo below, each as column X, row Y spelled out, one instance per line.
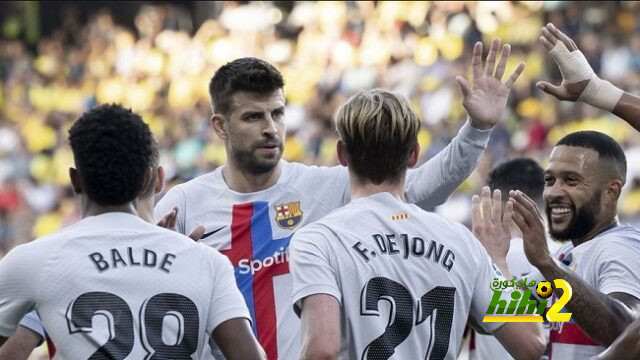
column 601, row 94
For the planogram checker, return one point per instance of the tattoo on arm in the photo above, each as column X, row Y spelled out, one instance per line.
column 601, row 316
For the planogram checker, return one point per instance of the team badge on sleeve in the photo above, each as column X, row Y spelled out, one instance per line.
column 288, row 215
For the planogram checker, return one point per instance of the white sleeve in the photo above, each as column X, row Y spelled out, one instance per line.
column 310, row 266
column 327, row 184
column 175, row 197
column 32, row 322
column 617, row 268
column 431, row 184
column 227, row 301
column 19, row 283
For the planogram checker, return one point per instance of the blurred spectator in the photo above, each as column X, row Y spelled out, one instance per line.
column 326, row 51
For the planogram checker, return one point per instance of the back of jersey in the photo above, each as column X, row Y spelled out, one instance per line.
column 113, row 286
column 406, row 279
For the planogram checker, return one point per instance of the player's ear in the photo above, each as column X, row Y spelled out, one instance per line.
column 342, row 153
column 159, row 180
column 412, row 160
column 613, row 190
column 219, row 124
column 76, row 182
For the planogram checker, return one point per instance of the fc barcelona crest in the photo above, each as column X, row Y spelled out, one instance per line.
column 288, row 215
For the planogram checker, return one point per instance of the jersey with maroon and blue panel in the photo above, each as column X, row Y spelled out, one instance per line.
column 254, row 230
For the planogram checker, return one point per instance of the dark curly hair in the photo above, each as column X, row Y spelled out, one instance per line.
column 113, row 150
column 244, row 74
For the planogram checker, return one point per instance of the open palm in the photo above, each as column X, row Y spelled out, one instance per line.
column 486, row 99
column 569, row 91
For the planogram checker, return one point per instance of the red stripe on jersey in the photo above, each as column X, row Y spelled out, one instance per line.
column 51, row 348
column 252, row 239
column 240, row 234
column 472, row 340
column 265, row 304
column 571, row 333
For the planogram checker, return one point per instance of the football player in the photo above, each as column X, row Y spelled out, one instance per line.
column 380, row 278
column 253, row 204
column 113, row 285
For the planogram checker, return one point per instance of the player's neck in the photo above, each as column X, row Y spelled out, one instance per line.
column 144, row 207
column 246, row 182
column 360, row 189
column 90, row 208
column 597, row 230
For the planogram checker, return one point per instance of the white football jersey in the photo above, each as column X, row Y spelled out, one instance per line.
column 115, row 286
column 608, row 263
column 407, row 280
column 254, row 229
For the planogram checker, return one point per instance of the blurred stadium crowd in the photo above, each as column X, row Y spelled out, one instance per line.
column 326, row 52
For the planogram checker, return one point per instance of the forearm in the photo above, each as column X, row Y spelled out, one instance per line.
column 431, row 184
column 320, row 326
column 628, row 108
column 600, row 316
column 20, row 345
column 522, row 340
column 236, row 340
column 313, row 351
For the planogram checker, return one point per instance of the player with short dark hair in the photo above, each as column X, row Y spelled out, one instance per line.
column 137, row 278
column 31, row 333
column 583, row 183
column 612, row 162
column 253, row 204
column 580, row 83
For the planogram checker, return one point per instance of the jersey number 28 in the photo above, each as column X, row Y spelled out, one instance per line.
column 121, row 331
column 401, row 319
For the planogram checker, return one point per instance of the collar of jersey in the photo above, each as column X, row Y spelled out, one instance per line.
column 284, row 175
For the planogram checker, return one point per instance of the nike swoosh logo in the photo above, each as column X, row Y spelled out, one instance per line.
column 212, row 232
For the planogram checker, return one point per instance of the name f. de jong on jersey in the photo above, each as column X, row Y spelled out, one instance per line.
column 405, row 246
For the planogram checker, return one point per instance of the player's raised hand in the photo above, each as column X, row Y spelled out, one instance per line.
column 576, row 71
column 490, row 224
column 528, row 219
column 579, row 81
column 486, row 99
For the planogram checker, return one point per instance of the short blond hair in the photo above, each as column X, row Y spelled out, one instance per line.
column 379, row 129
